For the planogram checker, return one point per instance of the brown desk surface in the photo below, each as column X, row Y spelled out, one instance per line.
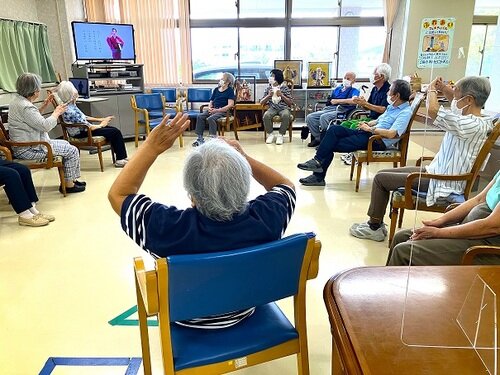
column 365, row 306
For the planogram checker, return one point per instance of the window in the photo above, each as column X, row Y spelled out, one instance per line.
column 267, row 30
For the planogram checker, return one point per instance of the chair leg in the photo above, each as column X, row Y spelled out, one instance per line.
column 395, row 164
column 236, row 134
column 290, row 129
column 353, row 164
column 143, row 328
column 336, row 361
column 400, row 221
column 358, row 174
column 113, row 155
column 99, row 153
column 394, row 219
column 181, row 141
column 136, row 135
column 61, row 178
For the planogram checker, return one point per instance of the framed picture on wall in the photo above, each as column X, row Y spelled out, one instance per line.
column 318, row 74
column 244, row 89
column 292, row 70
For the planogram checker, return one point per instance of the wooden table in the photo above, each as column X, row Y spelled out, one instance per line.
column 247, row 116
column 365, row 308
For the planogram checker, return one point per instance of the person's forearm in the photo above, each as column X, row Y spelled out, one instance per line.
column 90, row 118
column 267, row 176
column 460, row 212
column 131, row 177
column 342, row 101
column 432, row 104
column 385, row 133
column 482, row 228
column 447, row 92
column 374, row 108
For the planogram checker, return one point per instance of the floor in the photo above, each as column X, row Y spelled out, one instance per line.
column 61, row 284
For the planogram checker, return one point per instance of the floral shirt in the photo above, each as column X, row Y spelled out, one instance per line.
column 73, row 115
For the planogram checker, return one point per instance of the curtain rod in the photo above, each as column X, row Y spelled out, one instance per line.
column 32, row 22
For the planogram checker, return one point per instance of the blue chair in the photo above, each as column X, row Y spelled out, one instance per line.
column 149, row 110
column 189, row 286
column 197, row 96
column 169, row 98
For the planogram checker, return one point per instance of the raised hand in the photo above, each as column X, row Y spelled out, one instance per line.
column 163, row 136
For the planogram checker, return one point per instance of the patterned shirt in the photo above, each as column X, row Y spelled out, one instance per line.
column 73, row 115
column 281, row 105
column 464, row 137
column 165, row 230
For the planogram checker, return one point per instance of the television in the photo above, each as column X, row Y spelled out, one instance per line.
column 103, row 41
column 82, row 86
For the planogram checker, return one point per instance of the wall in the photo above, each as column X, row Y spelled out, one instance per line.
column 462, row 10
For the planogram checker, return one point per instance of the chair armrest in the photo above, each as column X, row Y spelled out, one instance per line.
column 202, row 107
column 423, row 158
column 314, row 264
column 65, row 126
column 474, row 251
column 6, row 152
column 147, row 285
column 50, row 154
column 322, row 104
column 414, row 175
column 372, row 139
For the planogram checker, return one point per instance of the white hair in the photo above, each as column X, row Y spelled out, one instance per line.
column 385, row 70
column 217, row 178
column 66, row 91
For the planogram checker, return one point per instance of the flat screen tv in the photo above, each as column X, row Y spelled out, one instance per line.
column 103, row 41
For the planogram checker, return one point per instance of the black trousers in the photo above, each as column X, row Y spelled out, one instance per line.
column 18, row 185
column 113, row 136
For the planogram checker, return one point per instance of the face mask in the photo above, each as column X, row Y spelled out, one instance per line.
column 221, row 82
column 372, row 79
column 389, row 100
column 346, row 83
column 454, row 108
column 271, row 80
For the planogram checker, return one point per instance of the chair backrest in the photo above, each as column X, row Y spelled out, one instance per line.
column 4, row 136
column 415, row 105
column 169, row 93
column 206, row 284
column 481, row 157
column 199, row 95
column 149, row 101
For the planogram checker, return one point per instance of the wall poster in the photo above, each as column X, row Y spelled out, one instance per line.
column 436, row 41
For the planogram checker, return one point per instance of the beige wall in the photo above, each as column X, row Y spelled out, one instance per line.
column 462, row 10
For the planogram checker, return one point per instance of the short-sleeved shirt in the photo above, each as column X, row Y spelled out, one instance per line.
column 73, row 115
column 493, row 195
column 220, row 99
column 281, row 105
column 379, row 97
column 395, row 118
column 342, row 92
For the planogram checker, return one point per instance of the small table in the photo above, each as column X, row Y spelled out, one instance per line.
column 365, row 307
column 247, row 116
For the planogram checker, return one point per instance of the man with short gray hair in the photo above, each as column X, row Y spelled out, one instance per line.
column 217, row 178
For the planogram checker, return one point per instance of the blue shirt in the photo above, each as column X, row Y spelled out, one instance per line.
column 220, row 99
column 165, row 230
column 73, row 115
column 379, row 97
column 342, row 92
column 395, row 118
column 493, row 195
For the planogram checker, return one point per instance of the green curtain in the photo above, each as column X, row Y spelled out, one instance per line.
column 24, row 47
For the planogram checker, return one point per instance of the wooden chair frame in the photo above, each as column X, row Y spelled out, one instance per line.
column 404, row 141
column 409, row 203
column 49, row 162
column 474, row 251
column 152, row 300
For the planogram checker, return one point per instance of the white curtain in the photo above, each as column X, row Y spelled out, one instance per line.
column 390, row 10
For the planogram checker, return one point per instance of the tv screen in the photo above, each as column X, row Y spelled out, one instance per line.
column 81, row 85
column 103, row 41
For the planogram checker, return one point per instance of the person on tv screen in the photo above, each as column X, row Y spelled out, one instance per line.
column 116, row 44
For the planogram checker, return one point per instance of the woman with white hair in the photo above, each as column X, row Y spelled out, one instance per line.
column 26, row 124
column 67, row 93
column 221, row 101
column 217, row 179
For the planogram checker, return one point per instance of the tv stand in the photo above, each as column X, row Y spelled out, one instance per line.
column 116, row 83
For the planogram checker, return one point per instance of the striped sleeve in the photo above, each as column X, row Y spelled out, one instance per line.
column 461, row 126
column 34, row 119
column 290, row 198
column 135, row 216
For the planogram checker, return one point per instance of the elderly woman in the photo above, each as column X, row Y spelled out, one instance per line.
column 222, row 99
column 465, row 133
column 26, row 124
column 217, row 180
column 443, row 242
column 22, row 194
column 68, row 94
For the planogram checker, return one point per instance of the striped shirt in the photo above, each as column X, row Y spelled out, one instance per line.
column 165, row 230
column 464, row 137
column 281, row 105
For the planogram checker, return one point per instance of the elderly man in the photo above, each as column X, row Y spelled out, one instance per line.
column 217, row 179
column 443, row 242
column 377, row 102
column 339, row 102
column 391, row 125
column 465, row 133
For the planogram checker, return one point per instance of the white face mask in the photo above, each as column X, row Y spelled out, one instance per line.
column 271, row 80
column 454, row 108
column 221, row 82
column 372, row 78
column 346, row 83
column 389, row 100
